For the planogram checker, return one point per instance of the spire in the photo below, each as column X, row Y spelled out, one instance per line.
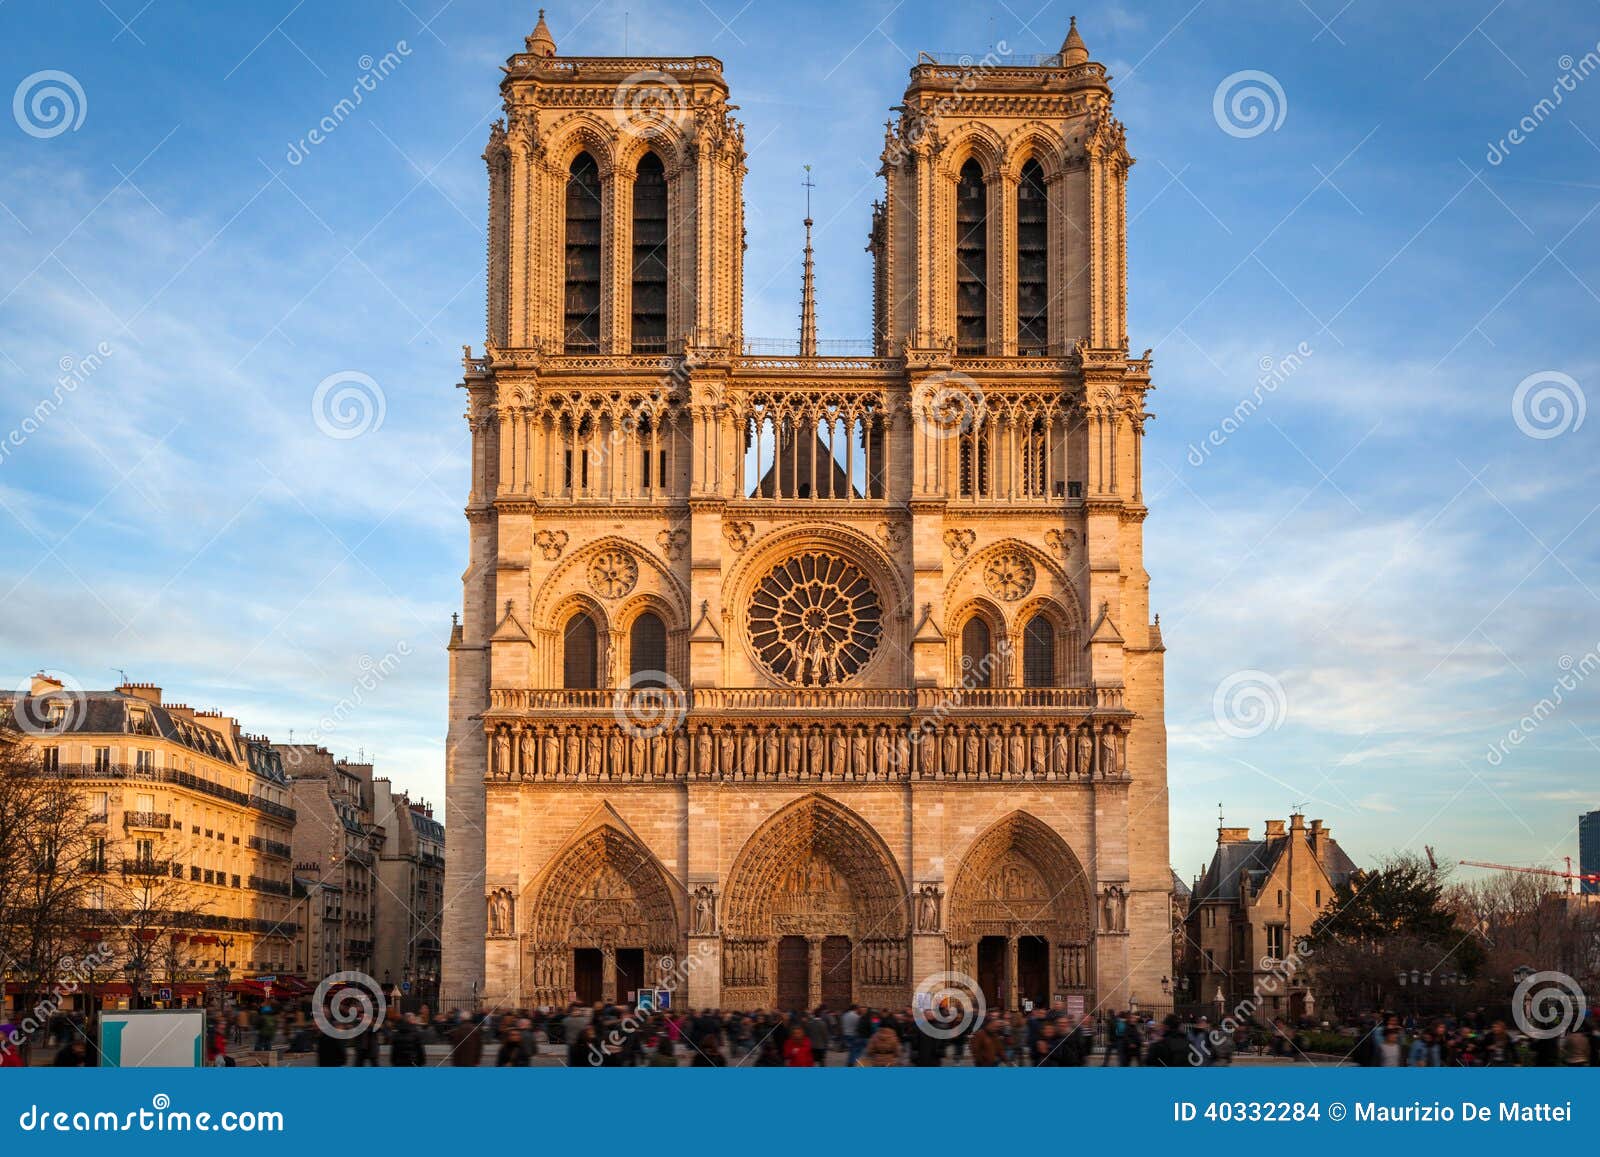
column 808, row 290
column 1073, row 49
column 541, row 43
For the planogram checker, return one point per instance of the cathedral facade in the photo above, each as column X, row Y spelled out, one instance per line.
column 786, row 679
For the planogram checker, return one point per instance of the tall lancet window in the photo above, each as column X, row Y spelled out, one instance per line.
column 972, row 261
column 650, row 257
column 583, row 257
column 1033, row 263
column 580, row 654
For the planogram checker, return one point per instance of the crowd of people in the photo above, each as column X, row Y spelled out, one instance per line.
column 609, row 1035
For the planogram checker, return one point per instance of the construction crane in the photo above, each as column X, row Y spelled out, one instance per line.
column 1569, row 875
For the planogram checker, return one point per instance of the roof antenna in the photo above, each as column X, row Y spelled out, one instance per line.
column 123, row 674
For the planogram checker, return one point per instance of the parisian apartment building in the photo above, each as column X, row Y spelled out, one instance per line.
column 281, row 863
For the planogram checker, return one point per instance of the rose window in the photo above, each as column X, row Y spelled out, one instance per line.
column 1009, row 575
column 815, row 620
column 613, row 573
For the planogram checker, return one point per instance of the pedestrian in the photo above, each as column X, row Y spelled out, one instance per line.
column 466, row 1044
column 331, row 1051
column 512, row 1054
column 797, row 1052
column 1172, row 1049
column 710, row 1055
column 986, row 1046
column 927, row 1049
column 817, row 1029
column 883, row 1050
column 406, row 1050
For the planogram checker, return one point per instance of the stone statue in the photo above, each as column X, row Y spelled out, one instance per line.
column 1018, row 754
column 860, row 767
column 747, row 753
column 1114, row 906
column 1085, row 755
column 950, row 759
column 995, row 750
column 791, row 752
column 526, row 754
column 680, row 752
column 638, row 760
column 1038, row 745
column 816, row 754
column 725, row 741
column 658, row 756
column 1108, row 755
column 1061, row 754
column 502, row 748
column 902, row 754
column 973, row 762
column 500, row 913
column 838, row 753
column 551, row 759
column 703, row 764
column 771, row 754
column 594, row 762
column 618, row 754
column 705, row 911
column 928, row 908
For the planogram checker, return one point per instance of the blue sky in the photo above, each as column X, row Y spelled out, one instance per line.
column 1380, row 548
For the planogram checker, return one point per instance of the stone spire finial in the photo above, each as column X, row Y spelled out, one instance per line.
column 541, row 43
column 1073, row 49
column 808, row 287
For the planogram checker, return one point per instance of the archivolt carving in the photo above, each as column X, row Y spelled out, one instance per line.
column 1021, row 879
column 815, row 868
column 605, row 891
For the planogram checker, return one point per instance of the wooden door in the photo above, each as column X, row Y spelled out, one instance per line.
column 794, row 973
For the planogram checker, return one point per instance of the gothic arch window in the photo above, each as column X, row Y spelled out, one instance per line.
column 977, row 653
column 647, row 651
column 580, row 654
column 1039, row 653
column 583, row 257
column 975, row 461
column 972, row 261
column 1033, row 262
column 649, row 334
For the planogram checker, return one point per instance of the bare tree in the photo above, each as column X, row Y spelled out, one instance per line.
column 49, row 877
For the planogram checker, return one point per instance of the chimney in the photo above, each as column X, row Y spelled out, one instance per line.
column 46, row 685
column 1297, row 822
column 1275, row 829
column 1232, row 836
column 1319, row 838
column 149, row 692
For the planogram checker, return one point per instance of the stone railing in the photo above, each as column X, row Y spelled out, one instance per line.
column 805, row 700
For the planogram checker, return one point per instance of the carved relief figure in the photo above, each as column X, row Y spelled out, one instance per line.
column 1114, row 909
column 705, row 910
column 928, row 908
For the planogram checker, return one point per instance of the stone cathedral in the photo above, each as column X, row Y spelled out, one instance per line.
column 798, row 676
